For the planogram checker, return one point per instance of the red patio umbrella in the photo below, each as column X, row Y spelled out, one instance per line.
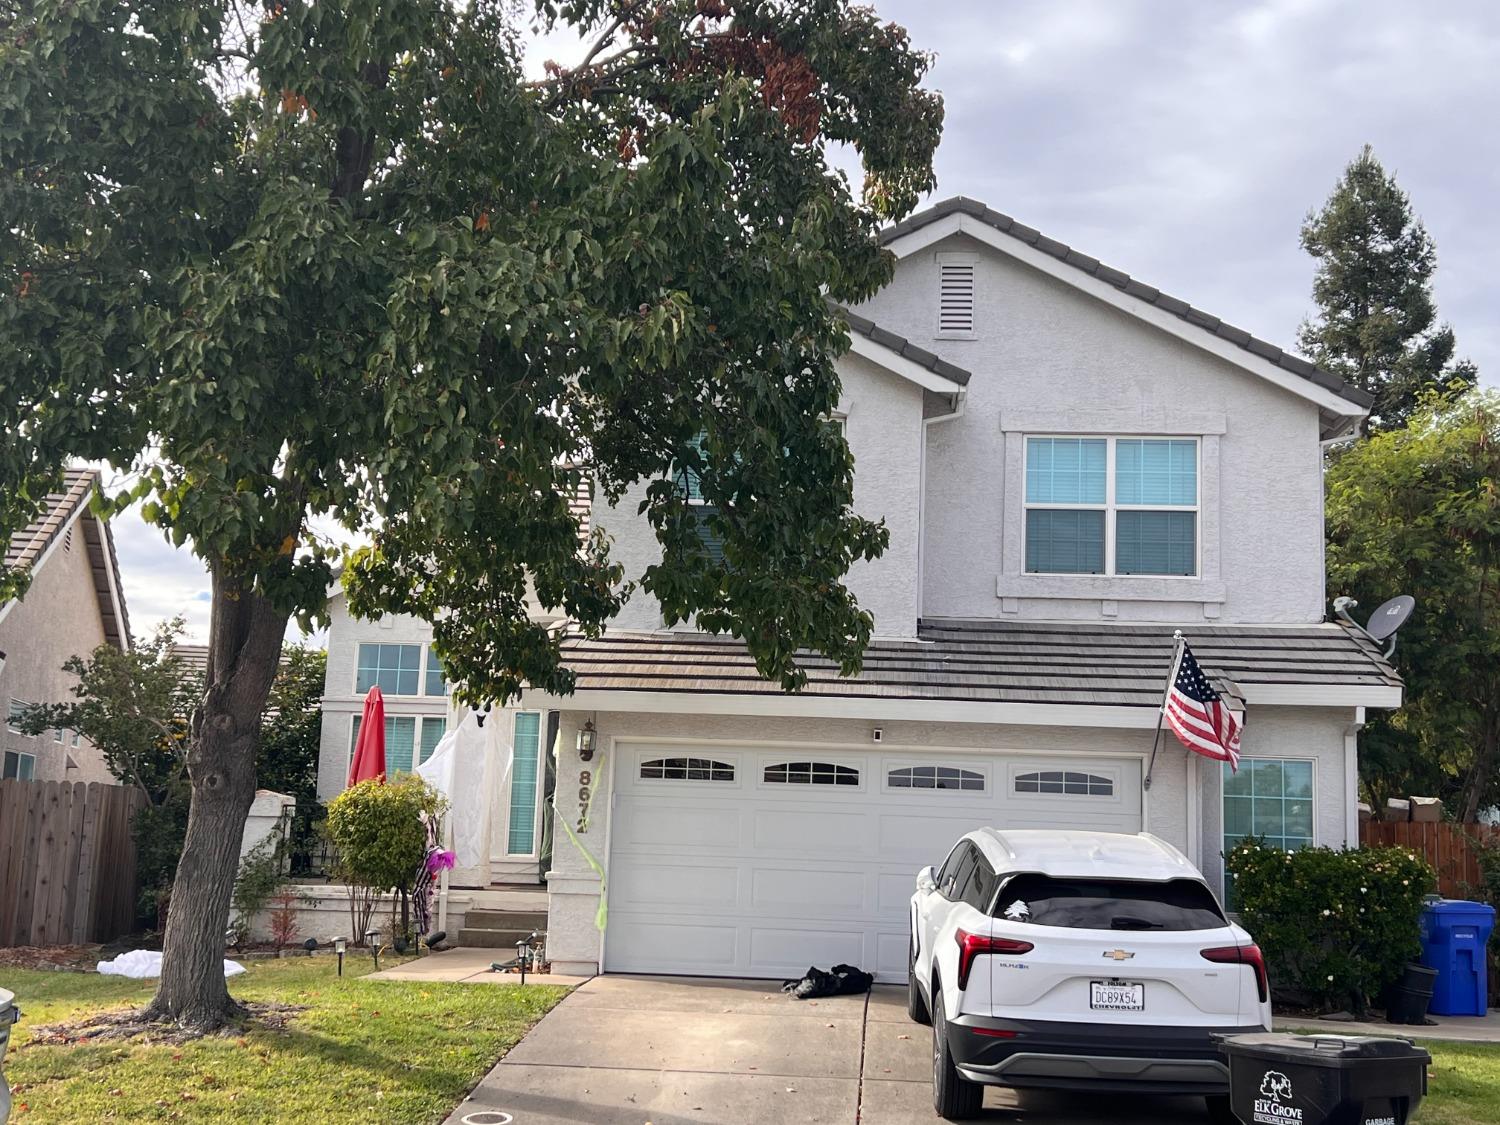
column 369, row 751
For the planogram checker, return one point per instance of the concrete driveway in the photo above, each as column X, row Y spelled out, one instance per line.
column 677, row 1050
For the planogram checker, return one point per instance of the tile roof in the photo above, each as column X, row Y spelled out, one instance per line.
column 1127, row 284
column 903, row 347
column 58, row 509
column 995, row 662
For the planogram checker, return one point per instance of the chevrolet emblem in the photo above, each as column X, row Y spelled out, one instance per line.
column 1118, row 954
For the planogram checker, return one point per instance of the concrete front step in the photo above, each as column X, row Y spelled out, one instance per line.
column 502, row 941
column 482, row 919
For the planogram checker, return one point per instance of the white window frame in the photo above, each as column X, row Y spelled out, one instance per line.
column 890, row 766
column 956, row 258
column 860, row 767
column 1316, row 839
column 10, row 716
column 1104, row 774
column 424, row 654
column 21, row 756
column 733, row 761
column 1111, row 509
column 416, row 735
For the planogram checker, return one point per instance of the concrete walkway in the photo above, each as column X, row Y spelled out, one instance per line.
column 673, row 1051
column 470, row 966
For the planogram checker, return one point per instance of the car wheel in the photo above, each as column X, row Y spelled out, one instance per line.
column 916, row 1007
column 1219, row 1112
column 953, row 1096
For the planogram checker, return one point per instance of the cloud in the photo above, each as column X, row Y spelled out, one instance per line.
column 1184, row 143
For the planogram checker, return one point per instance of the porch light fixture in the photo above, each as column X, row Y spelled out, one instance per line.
column 587, row 737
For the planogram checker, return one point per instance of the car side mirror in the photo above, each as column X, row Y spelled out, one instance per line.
column 927, row 879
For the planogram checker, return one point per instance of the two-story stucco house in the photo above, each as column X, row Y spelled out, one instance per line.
column 73, row 605
column 1072, row 466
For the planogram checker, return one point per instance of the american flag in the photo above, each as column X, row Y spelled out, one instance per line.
column 1198, row 715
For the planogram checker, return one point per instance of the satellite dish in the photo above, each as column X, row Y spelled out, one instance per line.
column 1391, row 616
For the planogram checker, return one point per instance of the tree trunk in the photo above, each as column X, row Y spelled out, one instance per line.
column 244, row 646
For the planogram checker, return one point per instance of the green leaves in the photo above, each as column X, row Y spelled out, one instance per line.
column 1377, row 322
column 1336, row 926
column 1416, row 511
column 345, row 262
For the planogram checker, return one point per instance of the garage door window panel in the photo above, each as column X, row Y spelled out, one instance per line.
column 1064, row 783
column 686, row 769
column 946, row 778
column 811, row 773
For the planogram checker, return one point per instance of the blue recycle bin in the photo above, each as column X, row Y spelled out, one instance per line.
column 1454, row 937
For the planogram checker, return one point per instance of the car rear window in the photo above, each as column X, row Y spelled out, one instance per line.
column 1109, row 904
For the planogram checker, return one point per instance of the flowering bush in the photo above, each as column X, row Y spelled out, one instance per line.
column 1337, row 927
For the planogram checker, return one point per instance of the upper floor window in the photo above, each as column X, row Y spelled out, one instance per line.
column 692, row 487
column 13, row 716
column 435, row 683
column 398, row 670
column 955, row 295
column 1111, row 505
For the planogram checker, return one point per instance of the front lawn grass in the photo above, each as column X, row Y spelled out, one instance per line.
column 1463, row 1084
column 362, row 1051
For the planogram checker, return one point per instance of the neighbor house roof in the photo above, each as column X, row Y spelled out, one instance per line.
column 1094, row 268
column 981, row 661
column 64, row 513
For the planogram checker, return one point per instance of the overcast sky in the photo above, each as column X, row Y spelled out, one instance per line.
column 1182, row 142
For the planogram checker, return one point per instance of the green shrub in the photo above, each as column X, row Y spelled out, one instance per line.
column 380, row 834
column 259, row 876
column 1336, row 927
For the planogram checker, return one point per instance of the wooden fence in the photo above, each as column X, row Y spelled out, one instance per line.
column 1451, row 848
column 67, row 862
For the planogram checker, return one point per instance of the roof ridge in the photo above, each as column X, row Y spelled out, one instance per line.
column 1119, row 279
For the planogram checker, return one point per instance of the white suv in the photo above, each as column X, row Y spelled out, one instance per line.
column 1079, row 961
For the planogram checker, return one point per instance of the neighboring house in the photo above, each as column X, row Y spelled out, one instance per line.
column 73, row 605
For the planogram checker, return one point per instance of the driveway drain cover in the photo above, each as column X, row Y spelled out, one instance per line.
column 487, row 1117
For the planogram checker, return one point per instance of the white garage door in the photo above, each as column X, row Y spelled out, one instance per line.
column 760, row 862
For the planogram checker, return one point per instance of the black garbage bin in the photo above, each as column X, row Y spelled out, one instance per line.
column 1282, row 1079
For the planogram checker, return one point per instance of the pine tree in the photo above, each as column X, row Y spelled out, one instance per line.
column 1376, row 326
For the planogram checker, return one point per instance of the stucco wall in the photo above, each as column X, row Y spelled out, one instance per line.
column 1048, row 356
column 57, row 618
column 573, row 887
column 884, row 429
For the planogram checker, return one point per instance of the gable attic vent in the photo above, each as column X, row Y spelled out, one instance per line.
column 955, row 295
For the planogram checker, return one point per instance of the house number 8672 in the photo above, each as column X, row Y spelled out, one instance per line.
column 585, row 779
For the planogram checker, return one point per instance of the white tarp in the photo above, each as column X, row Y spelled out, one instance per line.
column 139, row 964
column 459, row 769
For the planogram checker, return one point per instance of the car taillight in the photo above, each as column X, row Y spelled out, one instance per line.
column 971, row 946
column 1243, row 955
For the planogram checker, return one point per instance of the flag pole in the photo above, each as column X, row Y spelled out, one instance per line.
column 1161, row 713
